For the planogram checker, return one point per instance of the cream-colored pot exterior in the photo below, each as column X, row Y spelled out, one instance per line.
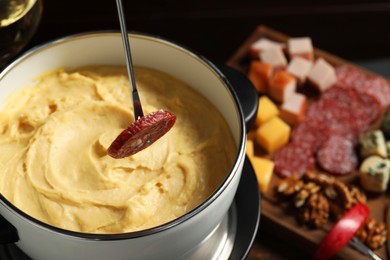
column 169, row 241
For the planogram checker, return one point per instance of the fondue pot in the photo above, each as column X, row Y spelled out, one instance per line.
column 229, row 91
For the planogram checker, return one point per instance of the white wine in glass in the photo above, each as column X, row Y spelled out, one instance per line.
column 19, row 20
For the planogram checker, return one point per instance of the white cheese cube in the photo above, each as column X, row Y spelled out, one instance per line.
column 275, row 57
column 372, row 143
column 374, row 174
column 322, row 75
column 293, row 109
column 264, row 44
column 299, row 68
column 300, row 46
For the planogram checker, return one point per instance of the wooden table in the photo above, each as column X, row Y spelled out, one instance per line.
column 354, row 30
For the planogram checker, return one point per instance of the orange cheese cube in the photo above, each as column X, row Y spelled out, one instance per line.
column 259, row 74
column 282, row 85
column 266, row 110
column 293, row 109
column 273, row 134
column 263, row 169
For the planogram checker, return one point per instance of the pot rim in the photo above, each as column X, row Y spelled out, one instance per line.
column 168, row 225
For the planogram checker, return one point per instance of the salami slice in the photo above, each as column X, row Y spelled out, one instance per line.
column 141, row 134
column 364, row 109
column 333, row 123
column 293, row 159
column 349, row 76
column 364, row 83
column 339, row 103
column 340, row 95
column 367, row 111
column 310, row 133
column 337, row 156
column 377, row 88
column 339, row 120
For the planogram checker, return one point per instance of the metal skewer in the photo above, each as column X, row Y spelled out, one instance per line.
column 354, row 242
column 126, row 44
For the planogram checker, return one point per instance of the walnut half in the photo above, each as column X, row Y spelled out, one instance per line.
column 304, row 193
column 315, row 213
column 290, row 185
column 373, row 233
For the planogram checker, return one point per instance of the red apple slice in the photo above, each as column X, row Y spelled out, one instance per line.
column 344, row 229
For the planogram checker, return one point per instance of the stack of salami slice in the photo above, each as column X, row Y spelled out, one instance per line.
column 329, row 134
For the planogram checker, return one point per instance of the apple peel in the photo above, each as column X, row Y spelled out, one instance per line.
column 342, row 232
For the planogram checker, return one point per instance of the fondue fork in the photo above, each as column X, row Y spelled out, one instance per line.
column 126, row 44
column 145, row 129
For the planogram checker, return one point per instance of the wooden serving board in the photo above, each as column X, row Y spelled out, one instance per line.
column 280, row 217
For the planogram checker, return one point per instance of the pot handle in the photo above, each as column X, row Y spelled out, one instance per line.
column 245, row 91
column 8, row 233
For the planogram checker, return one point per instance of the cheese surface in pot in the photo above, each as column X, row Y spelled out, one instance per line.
column 54, row 163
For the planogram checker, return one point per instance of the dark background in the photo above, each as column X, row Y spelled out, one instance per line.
column 353, row 30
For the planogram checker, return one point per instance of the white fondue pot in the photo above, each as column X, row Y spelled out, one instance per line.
column 168, row 241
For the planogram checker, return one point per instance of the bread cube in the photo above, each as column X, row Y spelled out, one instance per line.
column 293, row 109
column 281, row 86
column 300, row 46
column 263, row 169
column 259, row 74
column 273, row 134
column 264, row 44
column 322, row 75
column 299, row 68
column 266, row 110
column 275, row 57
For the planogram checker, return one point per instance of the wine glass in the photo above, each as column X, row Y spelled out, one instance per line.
column 19, row 20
